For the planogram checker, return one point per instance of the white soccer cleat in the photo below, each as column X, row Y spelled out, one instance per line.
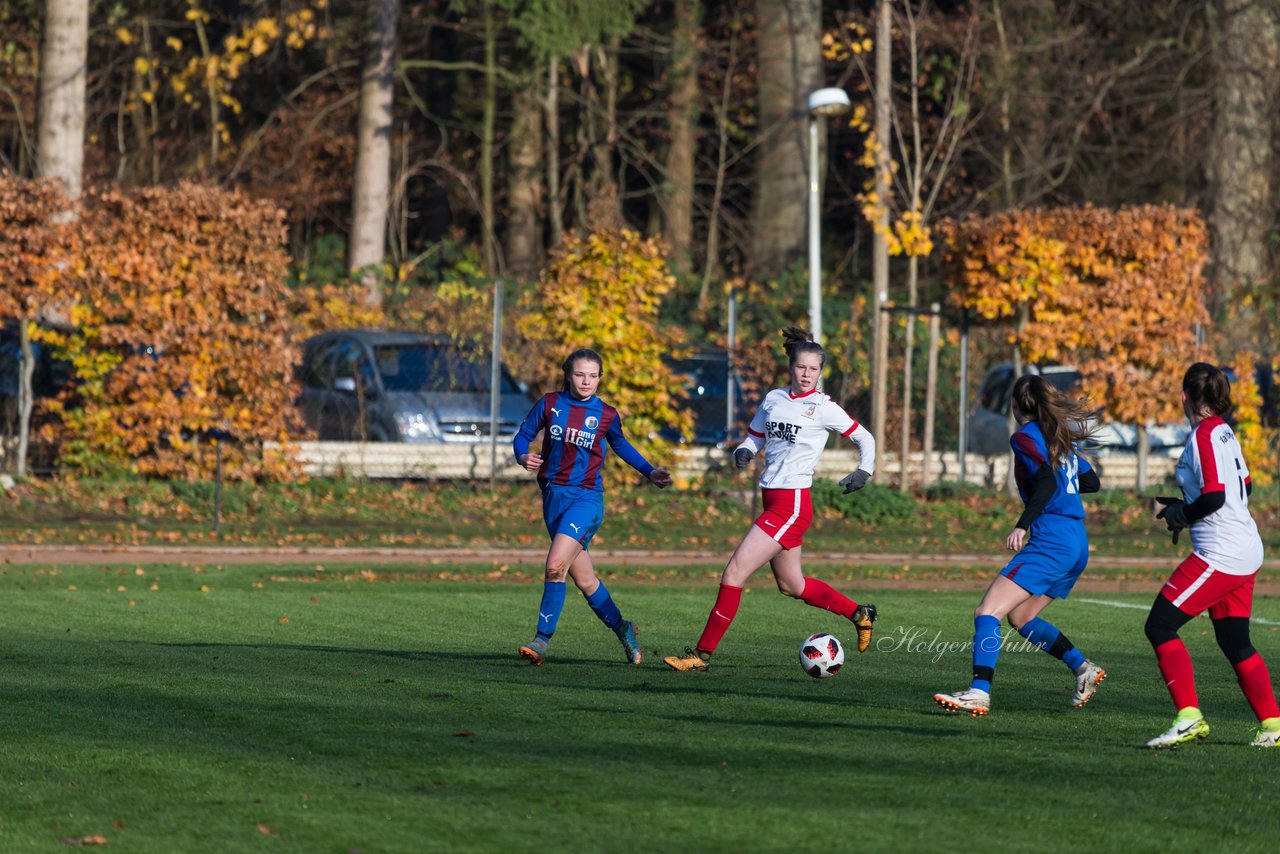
column 1087, row 682
column 1265, row 738
column 971, row 700
column 1180, row 733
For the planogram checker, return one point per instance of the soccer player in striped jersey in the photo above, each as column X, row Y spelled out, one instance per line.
column 1050, row 476
column 1219, row 574
column 577, row 428
column 791, row 426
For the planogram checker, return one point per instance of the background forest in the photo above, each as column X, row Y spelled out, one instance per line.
column 1092, row 182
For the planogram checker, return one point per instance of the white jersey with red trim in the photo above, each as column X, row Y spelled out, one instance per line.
column 793, row 431
column 1212, row 462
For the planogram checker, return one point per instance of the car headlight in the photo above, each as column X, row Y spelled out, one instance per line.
column 415, row 425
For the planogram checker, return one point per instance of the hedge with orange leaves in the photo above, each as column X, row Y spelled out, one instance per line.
column 181, row 329
column 1117, row 292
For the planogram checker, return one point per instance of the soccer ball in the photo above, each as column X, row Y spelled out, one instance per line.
column 821, row 655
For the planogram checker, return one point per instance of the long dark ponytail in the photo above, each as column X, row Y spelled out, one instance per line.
column 1064, row 420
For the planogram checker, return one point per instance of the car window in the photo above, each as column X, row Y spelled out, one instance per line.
column 996, row 386
column 350, row 361
column 707, row 378
column 437, row 368
column 1062, row 380
column 315, row 368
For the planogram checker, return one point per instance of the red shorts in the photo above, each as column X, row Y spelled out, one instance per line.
column 1195, row 586
column 786, row 515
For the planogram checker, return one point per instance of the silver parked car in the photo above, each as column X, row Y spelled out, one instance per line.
column 381, row 386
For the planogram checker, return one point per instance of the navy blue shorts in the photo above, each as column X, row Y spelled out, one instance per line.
column 573, row 511
column 1052, row 561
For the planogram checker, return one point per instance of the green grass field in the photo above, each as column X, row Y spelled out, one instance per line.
column 177, row 708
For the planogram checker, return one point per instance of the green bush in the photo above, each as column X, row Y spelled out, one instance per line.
column 955, row 490
column 874, row 504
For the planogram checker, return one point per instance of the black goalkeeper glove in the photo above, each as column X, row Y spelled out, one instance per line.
column 1174, row 514
column 742, row 457
column 854, row 482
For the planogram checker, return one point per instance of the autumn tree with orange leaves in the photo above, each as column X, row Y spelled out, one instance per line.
column 1117, row 292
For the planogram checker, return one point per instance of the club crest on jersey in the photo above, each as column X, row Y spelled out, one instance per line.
column 782, row 430
column 591, row 422
column 809, row 410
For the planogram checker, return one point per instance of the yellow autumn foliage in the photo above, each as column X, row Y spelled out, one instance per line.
column 603, row 290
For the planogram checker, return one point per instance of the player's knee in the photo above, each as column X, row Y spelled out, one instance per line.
column 557, row 570
column 1163, row 622
column 1232, row 634
column 788, row 589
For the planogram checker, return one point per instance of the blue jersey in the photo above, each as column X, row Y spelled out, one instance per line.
column 1030, row 453
column 574, row 438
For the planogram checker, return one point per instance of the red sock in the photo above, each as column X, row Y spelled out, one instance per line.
column 1255, row 682
column 820, row 594
column 720, row 618
column 1179, row 677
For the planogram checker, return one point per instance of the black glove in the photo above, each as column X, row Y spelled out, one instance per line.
column 854, row 482
column 741, row 457
column 1174, row 515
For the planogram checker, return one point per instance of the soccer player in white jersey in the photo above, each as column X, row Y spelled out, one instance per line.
column 1219, row 574
column 791, row 426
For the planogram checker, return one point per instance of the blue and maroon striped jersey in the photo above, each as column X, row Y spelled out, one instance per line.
column 1029, row 453
column 574, row 434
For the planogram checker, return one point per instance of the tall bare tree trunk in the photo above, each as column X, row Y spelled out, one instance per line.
column 63, row 57
column 59, row 154
column 26, row 397
column 555, row 202
column 373, row 147
column 1242, row 148
column 790, row 67
column 486, row 141
column 682, row 111
column 523, row 244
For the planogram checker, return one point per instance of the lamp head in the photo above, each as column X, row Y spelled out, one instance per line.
column 828, row 102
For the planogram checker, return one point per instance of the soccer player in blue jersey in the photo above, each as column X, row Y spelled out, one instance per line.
column 576, row 427
column 1050, row 476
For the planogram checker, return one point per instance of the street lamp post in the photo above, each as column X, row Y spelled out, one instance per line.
column 822, row 103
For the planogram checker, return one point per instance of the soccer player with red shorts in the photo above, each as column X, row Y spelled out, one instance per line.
column 791, row 426
column 1219, row 574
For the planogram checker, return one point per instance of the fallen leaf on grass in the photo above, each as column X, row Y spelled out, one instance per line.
column 91, row 839
column 266, row 831
column 466, row 733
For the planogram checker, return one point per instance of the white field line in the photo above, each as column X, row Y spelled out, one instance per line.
column 1111, row 604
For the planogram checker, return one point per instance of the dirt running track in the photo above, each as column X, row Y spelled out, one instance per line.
column 1268, row 581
